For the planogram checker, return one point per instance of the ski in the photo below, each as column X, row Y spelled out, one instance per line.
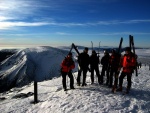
column 133, row 48
column 120, row 45
column 118, row 53
column 74, row 47
column 92, row 45
column 99, row 49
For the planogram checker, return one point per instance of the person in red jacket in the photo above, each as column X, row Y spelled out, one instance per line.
column 66, row 69
column 128, row 63
column 114, row 64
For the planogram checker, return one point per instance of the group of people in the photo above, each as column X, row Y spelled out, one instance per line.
column 112, row 64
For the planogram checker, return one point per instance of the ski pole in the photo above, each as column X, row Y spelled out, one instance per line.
column 92, row 45
column 67, row 79
column 74, row 76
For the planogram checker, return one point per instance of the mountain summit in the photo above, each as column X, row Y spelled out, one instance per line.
column 30, row 64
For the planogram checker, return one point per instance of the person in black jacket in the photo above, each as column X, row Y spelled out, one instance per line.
column 94, row 65
column 105, row 66
column 83, row 63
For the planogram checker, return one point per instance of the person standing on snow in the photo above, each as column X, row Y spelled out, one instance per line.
column 83, row 62
column 105, row 67
column 128, row 63
column 66, row 69
column 94, row 65
column 114, row 65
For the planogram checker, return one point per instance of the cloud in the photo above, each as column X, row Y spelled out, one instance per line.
column 22, row 13
column 62, row 33
column 8, row 25
column 24, row 8
column 115, row 22
column 21, row 10
column 13, row 8
column 4, row 18
column 106, row 33
column 26, row 13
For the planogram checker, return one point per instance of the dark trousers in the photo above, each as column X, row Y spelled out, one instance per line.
column 97, row 73
column 105, row 71
column 123, row 74
column 113, row 73
column 64, row 74
column 84, row 76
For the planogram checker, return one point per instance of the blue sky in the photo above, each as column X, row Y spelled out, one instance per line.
column 25, row 23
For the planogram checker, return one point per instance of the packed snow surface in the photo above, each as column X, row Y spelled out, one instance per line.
column 88, row 99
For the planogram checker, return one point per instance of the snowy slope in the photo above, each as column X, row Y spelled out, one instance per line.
column 88, row 99
column 40, row 63
column 143, row 56
column 143, row 52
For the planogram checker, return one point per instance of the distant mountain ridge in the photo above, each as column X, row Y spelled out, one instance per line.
column 30, row 64
column 102, row 48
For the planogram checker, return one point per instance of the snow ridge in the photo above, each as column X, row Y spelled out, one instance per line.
column 30, row 64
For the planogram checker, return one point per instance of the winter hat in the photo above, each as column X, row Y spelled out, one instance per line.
column 86, row 49
column 93, row 52
column 69, row 53
column 127, row 49
column 113, row 51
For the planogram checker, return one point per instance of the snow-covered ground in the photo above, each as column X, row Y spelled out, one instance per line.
column 88, row 99
column 143, row 56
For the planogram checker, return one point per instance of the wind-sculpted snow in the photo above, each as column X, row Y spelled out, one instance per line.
column 40, row 63
column 89, row 99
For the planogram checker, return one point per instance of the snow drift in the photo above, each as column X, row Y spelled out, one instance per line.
column 40, row 63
